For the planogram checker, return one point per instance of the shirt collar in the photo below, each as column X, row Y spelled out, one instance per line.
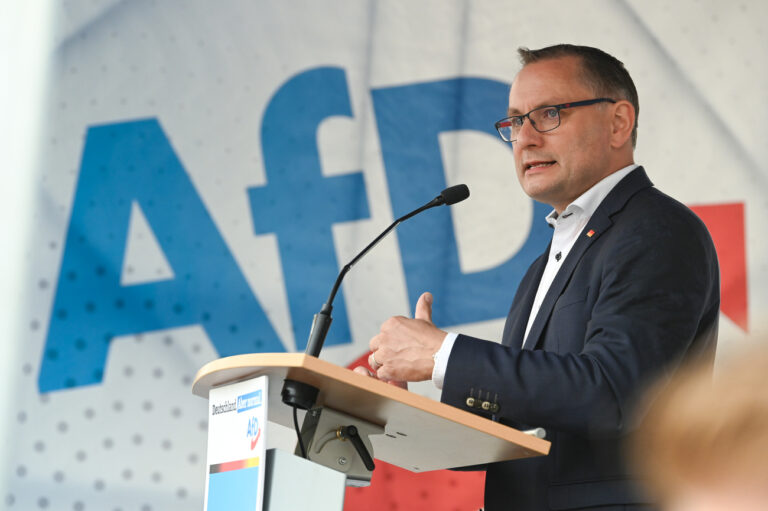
column 587, row 202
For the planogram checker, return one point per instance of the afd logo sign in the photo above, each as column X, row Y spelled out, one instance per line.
column 253, row 433
column 128, row 163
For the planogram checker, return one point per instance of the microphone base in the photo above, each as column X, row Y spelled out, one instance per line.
column 298, row 394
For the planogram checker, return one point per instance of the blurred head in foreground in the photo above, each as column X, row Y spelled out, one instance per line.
column 703, row 445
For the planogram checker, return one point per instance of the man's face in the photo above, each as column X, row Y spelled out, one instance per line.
column 557, row 166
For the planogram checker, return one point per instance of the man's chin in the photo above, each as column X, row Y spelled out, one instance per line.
column 553, row 195
column 539, row 189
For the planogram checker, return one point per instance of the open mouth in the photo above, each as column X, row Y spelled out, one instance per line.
column 538, row 165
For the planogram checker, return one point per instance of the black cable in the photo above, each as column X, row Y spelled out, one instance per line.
column 298, row 432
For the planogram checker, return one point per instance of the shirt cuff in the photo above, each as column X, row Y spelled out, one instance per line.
column 441, row 359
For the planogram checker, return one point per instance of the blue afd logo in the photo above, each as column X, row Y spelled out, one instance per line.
column 133, row 162
column 253, row 432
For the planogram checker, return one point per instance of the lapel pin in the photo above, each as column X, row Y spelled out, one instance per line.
column 590, row 233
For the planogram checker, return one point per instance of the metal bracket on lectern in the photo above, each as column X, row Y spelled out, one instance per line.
column 339, row 441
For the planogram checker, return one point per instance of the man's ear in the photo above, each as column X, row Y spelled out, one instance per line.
column 622, row 123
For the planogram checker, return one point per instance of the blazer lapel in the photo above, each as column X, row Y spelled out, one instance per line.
column 517, row 319
column 597, row 225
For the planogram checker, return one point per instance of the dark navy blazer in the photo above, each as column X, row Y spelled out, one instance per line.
column 637, row 294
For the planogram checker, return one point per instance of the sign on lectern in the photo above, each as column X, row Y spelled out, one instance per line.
column 237, row 419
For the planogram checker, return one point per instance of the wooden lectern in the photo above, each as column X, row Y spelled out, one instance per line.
column 419, row 434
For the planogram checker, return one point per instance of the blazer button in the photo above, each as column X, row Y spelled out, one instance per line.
column 486, row 405
column 495, row 407
column 471, row 402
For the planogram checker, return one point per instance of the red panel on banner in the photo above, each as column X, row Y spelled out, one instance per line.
column 726, row 225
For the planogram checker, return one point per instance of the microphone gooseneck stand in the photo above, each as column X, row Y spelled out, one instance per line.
column 302, row 396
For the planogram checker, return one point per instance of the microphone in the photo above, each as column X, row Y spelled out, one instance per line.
column 454, row 194
column 322, row 320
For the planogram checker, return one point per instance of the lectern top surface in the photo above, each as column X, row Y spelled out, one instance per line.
column 420, row 433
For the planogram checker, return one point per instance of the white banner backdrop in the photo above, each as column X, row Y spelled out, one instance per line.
column 205, row 169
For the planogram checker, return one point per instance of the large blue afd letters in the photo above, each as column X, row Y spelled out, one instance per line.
column 134, row 162
column 410, row 118
column 299, row 204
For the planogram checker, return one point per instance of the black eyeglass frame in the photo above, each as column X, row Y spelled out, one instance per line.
column 505, row 122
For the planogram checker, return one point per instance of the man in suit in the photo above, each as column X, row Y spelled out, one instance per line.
column 627, row 289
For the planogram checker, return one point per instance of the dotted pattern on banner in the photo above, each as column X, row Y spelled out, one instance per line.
column 137, row 441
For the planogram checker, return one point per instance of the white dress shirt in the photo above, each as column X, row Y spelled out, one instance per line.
column 567, row 227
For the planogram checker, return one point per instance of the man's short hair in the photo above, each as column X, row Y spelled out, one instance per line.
column 602, row 72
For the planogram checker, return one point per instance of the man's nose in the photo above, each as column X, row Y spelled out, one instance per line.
column 528, row 135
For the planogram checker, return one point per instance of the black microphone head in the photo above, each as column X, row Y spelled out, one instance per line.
column 454, row 194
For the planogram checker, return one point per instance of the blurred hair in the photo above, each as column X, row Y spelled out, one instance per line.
column 699, row 429
column 604, row 73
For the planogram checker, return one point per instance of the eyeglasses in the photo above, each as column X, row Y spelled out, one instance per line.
column 543, row 119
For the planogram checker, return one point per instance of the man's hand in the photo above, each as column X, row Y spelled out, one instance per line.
column 404, row 348
column 365, row 372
